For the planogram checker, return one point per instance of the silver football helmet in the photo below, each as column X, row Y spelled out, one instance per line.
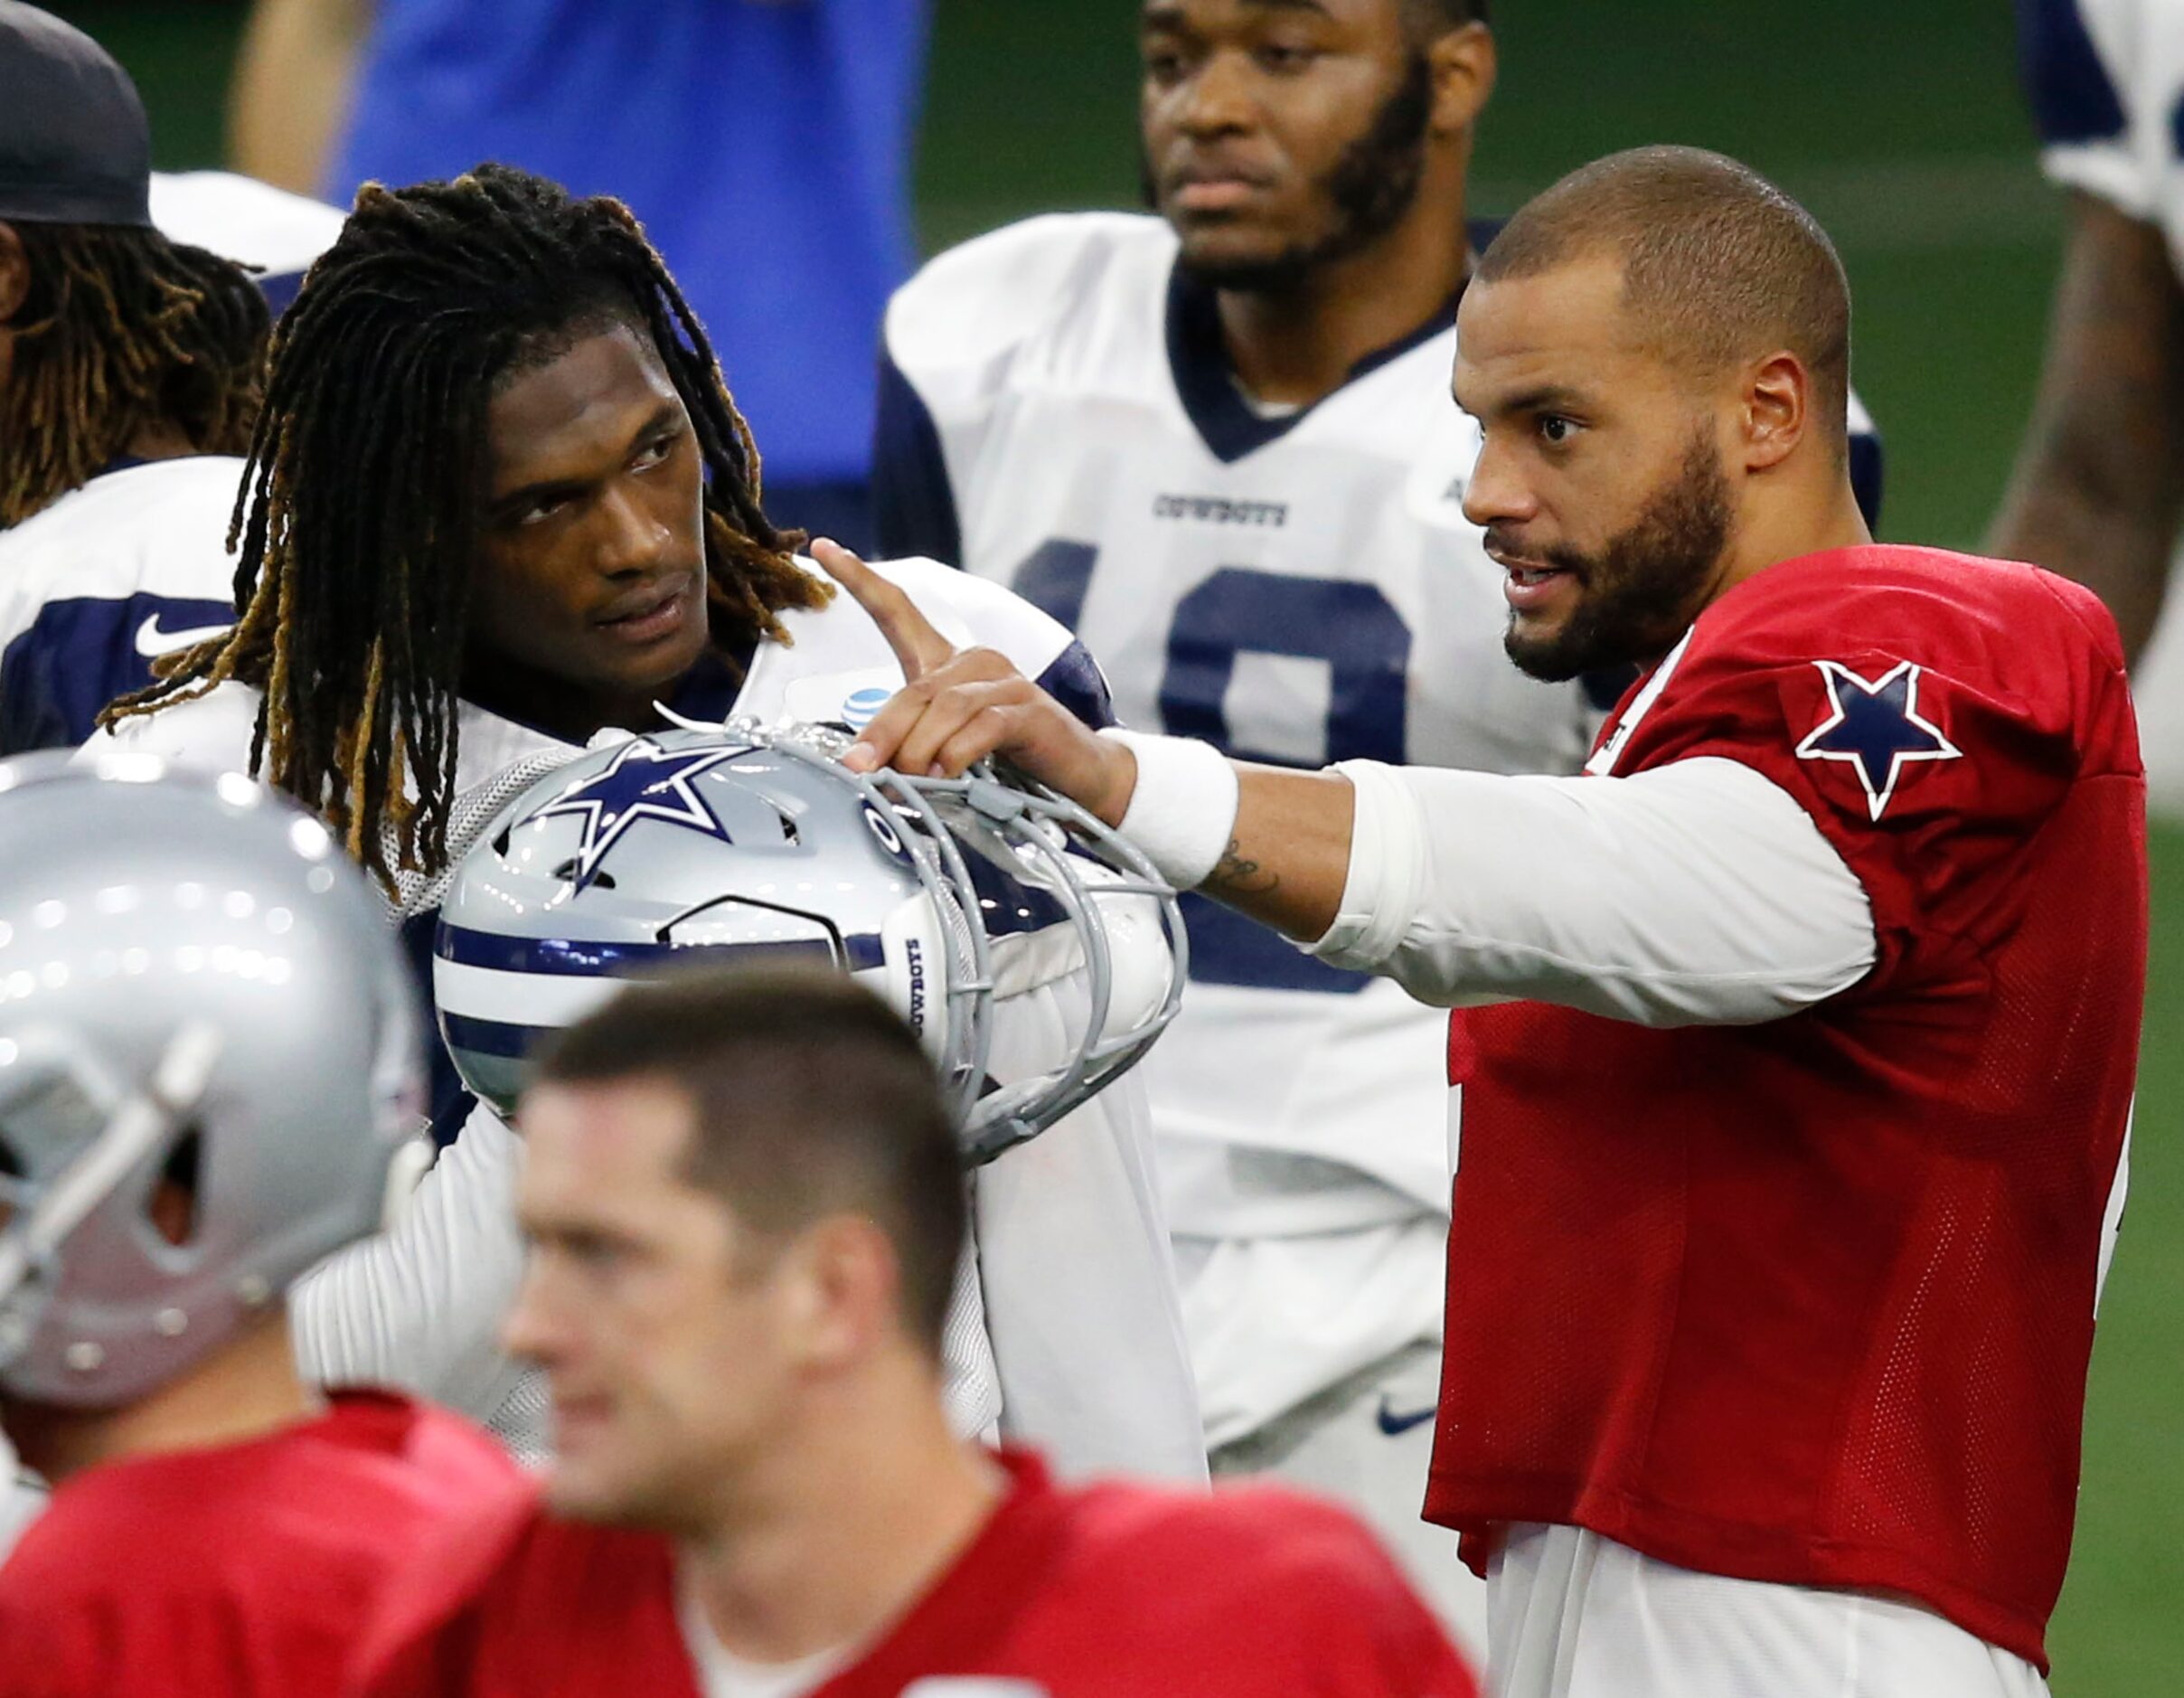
column 716, row 844
column 194, row 981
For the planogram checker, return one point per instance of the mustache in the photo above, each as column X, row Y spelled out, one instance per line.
column 1501, row 543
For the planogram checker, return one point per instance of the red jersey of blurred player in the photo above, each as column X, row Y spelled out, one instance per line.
column 1862, row 1318
column 744, row 1199
column 237, row 1569
column 1110, row 1591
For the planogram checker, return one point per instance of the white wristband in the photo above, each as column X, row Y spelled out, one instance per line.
column 1182, row 813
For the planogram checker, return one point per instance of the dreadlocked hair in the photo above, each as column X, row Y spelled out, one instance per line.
column 360, row 506
column 123, row 330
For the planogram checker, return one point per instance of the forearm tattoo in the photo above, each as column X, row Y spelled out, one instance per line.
column 1236, row 874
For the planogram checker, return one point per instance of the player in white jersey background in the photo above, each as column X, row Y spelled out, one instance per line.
column 131, row 350
column 275, row 233
column 2098, row 491
column 579, row 545
column 1217, row 443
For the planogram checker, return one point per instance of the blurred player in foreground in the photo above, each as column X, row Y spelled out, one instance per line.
column 1791, row 1153
column 2098, row 493
column 502, row 504
column 1216, row 444
column 129, row 377
column 742, row 1199
column 208, row 1061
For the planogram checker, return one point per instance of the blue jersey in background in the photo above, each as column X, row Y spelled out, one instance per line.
column 764, row 144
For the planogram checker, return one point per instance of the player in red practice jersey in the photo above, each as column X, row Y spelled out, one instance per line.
column 745, row 1204
column 203, row 1089
column 1791, row 1157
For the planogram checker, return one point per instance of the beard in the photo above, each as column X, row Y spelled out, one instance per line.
column 1640, row 591
column 1368, row 191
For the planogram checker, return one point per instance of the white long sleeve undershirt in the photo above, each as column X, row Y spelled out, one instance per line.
column 1695, row 892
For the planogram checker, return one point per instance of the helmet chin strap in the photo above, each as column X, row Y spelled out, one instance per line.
column 136, row 1124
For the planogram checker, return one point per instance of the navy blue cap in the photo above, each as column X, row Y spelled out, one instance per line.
column 75, row 146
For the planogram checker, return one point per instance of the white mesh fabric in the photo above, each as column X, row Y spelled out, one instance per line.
column 467, row 817
column 524, row 1422
column 972, row 1384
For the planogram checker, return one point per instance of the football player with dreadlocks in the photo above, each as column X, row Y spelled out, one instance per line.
column 130, row 365
column 501, row 503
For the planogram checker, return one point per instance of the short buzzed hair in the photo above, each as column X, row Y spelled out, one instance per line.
column 1718, row 264
column 811, row 1097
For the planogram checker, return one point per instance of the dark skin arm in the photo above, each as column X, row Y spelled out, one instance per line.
column 294, row 77
column 2098, row 491
column 1289, row 857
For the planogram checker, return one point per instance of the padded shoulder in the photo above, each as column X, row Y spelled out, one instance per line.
column 210, row 733
column 243, row 219
column 977, row 302
column 971, row 612
column 2100, row 77
column 2074, row 61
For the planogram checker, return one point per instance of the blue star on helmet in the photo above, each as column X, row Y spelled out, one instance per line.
column 1874, row 724
column 643, row 781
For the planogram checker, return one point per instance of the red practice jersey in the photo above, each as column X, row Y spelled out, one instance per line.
column 1811, row 1301
column 1110, row 1591
column 244, row 1570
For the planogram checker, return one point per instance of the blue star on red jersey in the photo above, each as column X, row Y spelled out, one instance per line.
column 1875, row 725
column 643, row 781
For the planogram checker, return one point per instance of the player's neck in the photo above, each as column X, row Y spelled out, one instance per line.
column 1297, row 345
column 1829, row 518
column 244, row 1390
column 553, row 704
column 840, row 1531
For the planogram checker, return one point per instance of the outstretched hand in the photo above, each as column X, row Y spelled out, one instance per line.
column 958, row 706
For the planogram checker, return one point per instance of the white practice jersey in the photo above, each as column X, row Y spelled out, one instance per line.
column 97, row 586
column 1074, row 1289
column 2106, row 78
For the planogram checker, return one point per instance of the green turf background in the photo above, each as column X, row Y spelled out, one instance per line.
column 1898, row 122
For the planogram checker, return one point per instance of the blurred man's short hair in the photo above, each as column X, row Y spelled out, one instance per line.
column 810, row 1098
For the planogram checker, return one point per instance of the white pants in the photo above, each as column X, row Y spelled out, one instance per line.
column 2157, row 692
column 1572, row 1614
column 1367, row 1443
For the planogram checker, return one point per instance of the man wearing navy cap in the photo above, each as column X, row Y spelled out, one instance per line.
column 130, row 365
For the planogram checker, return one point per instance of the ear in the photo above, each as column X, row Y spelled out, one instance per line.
column 844, row 1284
column 1462, row 66
column 15, row 274
column 1776, row 409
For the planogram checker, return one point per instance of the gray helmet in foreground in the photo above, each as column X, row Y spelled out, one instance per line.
column 194, row 983
column 720, row 843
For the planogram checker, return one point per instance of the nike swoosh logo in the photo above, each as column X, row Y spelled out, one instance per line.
column 152, row 642
column 1394, row 1425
